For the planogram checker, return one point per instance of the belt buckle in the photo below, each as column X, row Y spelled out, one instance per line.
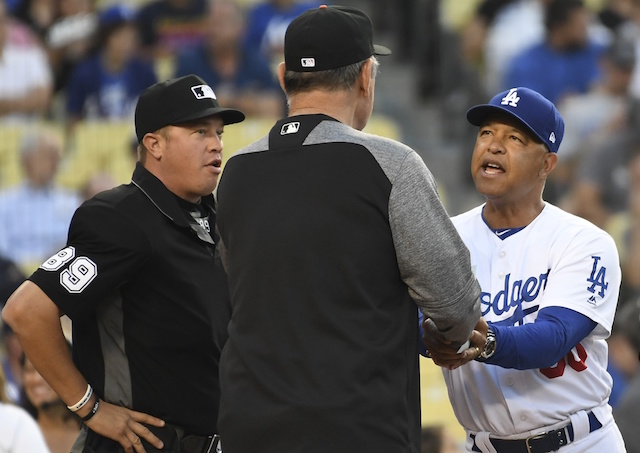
column 536, row 437
column 212, row 444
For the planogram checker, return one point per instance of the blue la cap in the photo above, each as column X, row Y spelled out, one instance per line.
column 532, row 109
column 117, row 14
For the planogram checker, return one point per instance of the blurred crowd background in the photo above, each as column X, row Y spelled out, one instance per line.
column 71, row 72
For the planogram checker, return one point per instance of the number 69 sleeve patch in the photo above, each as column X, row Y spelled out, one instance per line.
column 78, row 275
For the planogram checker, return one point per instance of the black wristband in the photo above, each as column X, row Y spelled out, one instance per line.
column 94, row 409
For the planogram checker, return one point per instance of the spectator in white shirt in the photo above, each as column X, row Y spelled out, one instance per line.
column 26, row 85
column 19, row 432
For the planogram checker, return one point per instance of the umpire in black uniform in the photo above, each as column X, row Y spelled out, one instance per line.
column 141, row 282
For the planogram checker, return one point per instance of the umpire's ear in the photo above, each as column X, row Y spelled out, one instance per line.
column 153, row 142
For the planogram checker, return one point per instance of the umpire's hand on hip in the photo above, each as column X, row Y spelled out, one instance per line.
column 125, row 426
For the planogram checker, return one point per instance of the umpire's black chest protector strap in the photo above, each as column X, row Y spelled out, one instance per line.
column 291, row 132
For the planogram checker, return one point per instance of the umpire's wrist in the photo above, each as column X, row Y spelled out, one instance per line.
column 87, row 412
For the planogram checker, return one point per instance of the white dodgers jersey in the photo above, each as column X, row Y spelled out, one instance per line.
column 558, row 260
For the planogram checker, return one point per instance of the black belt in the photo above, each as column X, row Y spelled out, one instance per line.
column 540, row 443
column 199, row 444
column 176, row 440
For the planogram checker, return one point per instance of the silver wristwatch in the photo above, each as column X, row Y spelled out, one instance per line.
column 489, row 346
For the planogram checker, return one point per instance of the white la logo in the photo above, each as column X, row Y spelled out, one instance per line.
column 511, row 98
column 552, row 138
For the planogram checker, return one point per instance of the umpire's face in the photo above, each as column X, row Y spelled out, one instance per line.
column 187, row 157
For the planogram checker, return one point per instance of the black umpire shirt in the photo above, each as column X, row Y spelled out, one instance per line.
column 148, row 300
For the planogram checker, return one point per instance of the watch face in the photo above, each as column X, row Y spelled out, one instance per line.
column 490, row 345
column 489, row 348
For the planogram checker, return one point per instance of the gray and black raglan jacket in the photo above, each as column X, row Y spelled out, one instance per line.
column 331, row 237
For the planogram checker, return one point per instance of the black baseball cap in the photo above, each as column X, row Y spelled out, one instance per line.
column 329, row 37
column 177, row 101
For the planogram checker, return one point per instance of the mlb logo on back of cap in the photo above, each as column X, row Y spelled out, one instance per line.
column 203, row 92
column 308, row 62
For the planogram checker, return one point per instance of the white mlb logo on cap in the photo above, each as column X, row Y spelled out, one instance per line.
column 203, row 91
column 308, row 62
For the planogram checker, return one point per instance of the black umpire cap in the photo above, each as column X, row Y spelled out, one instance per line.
column 177, row 101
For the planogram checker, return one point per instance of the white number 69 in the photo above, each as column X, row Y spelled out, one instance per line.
column 78, row 275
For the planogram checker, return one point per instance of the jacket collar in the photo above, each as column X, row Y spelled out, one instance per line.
column 163, row 198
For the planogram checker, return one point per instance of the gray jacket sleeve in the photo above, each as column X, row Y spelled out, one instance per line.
column 433, row 260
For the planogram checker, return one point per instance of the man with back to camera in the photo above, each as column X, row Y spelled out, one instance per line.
column 550, row 283
column 330, row 237
column 145, row 291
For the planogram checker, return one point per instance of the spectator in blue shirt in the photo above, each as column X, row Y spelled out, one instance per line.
column 267, row 22
column 35, row 214
column 241, row 75
column 566, row 61
column 107, row 84
column 167, row 27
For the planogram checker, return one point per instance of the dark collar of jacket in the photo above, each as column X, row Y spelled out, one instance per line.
column 163, row 198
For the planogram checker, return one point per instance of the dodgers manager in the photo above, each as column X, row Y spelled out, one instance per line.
column 550, row 282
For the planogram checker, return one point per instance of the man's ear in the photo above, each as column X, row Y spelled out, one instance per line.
column 549, row 163
column 365, row 80
column 154, row 144
column 281, row 70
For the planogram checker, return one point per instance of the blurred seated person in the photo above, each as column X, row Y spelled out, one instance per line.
column 473, row 35
column 624, row 227
column 38, row 15
column 98, row 182
column 267, row 22
column 19, row 432
column 59, row 426
column 602, row 182
column 242, row 77
column 70, row 38
column 168, row 27
column 623, row 349
column 25, row 76
column 35, row 214
column 627, row 411
column 11, row 365
column 10, row 278
column 591, row 118
column 10, row 350
column 565, row 61
column 107, row 83
column 438, row 439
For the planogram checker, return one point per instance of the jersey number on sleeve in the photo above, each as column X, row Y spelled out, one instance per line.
column 577, row 364
column 78, row 275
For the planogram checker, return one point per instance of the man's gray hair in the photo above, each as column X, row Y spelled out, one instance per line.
column 34, row 140
column 337, row 79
